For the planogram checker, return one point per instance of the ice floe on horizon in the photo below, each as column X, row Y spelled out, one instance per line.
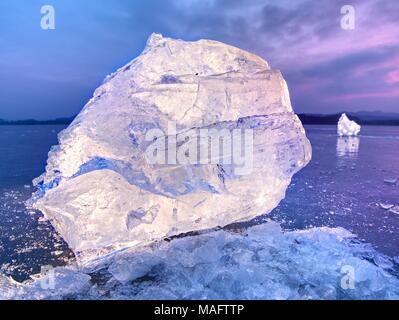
column 346, row 127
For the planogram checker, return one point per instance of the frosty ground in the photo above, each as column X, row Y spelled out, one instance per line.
column 260, row 262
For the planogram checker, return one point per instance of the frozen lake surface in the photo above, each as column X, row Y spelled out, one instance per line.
column 350, row 183
column 344, row 186
column 26, row 242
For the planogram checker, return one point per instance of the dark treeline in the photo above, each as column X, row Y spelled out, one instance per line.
column 333, row 119
column 65, row 121
column 379, row 119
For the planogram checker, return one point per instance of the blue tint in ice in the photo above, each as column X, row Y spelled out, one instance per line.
column 168, row 79
column 138, row 178
column 43, row 187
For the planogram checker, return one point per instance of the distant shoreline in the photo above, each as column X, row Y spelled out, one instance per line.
column 32, row 122
column 363, row 118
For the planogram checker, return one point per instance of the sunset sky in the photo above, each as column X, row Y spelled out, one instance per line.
column 53, row 73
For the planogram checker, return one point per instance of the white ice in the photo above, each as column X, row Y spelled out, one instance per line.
column 347, row 127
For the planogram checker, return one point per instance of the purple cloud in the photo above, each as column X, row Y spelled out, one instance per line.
column 328, row 69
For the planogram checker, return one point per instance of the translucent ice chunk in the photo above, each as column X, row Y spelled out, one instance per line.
column 101, row 193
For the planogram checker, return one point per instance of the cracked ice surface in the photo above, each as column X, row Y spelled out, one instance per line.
column 347, row 127
column 260, row 262
column 102, row 195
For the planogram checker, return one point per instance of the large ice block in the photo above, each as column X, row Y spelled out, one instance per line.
column 102, row 193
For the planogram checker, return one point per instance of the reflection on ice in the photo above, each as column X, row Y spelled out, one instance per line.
column 348, row 146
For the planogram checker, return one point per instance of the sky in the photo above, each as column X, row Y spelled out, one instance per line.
column 46, row 74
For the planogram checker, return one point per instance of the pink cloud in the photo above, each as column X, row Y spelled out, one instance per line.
column 364, row 95
column 315, row 50
column 363, row 70
column 392, row 77
column 310, row 85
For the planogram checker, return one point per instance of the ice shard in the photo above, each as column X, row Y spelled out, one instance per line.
column 347, row 127
column 102, row 193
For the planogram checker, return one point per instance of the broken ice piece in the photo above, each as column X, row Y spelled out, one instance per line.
column 390, row 180
column 394, row 209
column 386, row 206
